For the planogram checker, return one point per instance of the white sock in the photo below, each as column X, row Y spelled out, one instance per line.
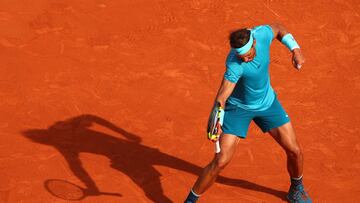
column 196, row 195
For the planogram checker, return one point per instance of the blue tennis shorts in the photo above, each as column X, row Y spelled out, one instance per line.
column 237, row 120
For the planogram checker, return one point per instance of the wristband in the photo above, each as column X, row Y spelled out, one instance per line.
column 289, row 41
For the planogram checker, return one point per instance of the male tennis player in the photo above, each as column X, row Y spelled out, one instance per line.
column 245, row 95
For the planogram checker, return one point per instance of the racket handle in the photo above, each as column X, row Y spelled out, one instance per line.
column 217, row 147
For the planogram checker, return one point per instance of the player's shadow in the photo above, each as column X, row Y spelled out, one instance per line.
column 73, row 136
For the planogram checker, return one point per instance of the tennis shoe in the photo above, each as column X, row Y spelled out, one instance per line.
column 297, row 194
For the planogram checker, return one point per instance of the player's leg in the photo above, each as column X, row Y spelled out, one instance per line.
column 275, row 121
column 285, row 136
column 235, row 126
column 228, row 145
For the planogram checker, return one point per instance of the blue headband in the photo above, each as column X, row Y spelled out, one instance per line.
column 242, row 50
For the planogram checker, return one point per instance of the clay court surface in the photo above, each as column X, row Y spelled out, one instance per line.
column 107, row 101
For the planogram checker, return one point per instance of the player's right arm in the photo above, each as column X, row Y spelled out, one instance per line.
column 224, row 92
column 231, row 76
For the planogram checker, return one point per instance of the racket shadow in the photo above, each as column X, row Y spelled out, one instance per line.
column 74, row 136
column 69, row 191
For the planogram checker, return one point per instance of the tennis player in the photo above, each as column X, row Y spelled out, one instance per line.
column 246, row 95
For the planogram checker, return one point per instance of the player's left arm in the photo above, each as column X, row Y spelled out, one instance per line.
column 286, row 38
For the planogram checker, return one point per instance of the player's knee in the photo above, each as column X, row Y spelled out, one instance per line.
column 222, row 161
column 295, row 153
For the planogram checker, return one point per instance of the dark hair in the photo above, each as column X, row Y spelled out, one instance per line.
column 239, row 38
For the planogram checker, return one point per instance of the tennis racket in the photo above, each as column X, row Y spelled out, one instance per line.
column 213, row 127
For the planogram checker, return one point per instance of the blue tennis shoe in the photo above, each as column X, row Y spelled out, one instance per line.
column 297, row 194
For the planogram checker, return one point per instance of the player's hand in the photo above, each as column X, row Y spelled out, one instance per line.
column 297, row 58
column 215, row 137
column 219, row 132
